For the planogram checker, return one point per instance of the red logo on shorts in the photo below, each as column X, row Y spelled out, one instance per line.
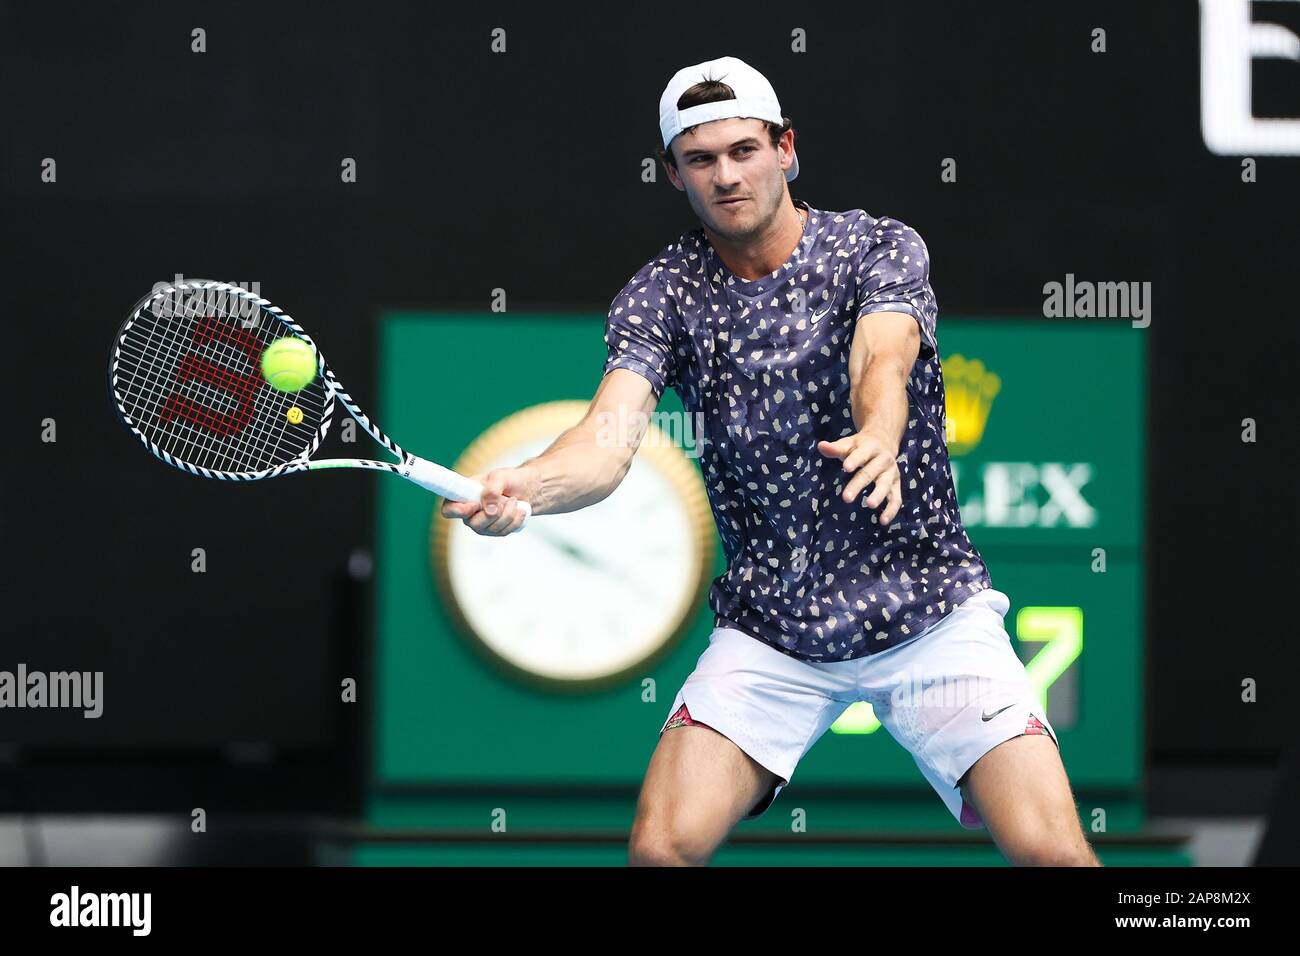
column 1036, row 726
column 682, row 718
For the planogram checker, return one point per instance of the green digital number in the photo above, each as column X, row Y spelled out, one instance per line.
column 1060, row 629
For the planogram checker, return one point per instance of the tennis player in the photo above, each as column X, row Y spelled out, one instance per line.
column 806, row 338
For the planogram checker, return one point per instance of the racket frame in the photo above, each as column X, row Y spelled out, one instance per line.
column 427, row 474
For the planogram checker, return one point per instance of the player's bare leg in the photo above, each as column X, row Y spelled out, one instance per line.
column 1023, row 795
column 698, row 786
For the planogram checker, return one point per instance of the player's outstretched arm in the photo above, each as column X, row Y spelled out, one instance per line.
column 581, row 467
column 885, row 347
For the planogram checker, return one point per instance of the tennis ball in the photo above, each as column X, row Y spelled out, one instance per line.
column 289, row 364
column 294, row 415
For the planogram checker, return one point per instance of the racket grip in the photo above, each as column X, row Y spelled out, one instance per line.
column 450, row 484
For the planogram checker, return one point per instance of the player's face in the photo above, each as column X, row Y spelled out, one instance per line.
column 732, row 176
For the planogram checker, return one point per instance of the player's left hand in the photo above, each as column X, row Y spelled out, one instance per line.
column 873, row 460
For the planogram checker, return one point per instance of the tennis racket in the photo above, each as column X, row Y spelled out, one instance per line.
column 186, row 378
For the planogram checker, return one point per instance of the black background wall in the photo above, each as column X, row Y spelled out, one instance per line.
column 522, row 171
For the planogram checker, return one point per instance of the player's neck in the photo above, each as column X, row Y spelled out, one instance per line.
column 764, row 256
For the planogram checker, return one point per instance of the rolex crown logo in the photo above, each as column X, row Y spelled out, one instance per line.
column 969, row 389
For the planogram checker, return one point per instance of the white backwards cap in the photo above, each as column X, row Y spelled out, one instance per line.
column 755, row 99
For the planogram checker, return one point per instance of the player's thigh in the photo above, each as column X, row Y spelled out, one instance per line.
column 1022, row 793
column 698, row 786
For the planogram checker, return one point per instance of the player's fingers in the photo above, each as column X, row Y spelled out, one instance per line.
column 884, row 482
column 478, row 522
column 868, row 473
column 836, row 449
column 520, row 517
column 494, row 486
column 891, row 503
column 866, row 446
column 854, row 489
column 458, row 509
column 500, row 523
column 861, row 454
column 486, row 523
column 895, row 503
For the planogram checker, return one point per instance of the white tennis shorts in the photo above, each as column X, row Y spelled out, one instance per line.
column 949, row 696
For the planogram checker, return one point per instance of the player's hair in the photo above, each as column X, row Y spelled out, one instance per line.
column 711, row 91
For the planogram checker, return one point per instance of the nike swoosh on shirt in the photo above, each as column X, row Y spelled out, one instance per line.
column 995, row 713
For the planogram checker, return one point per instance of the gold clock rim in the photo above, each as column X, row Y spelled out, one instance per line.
column 672, row 464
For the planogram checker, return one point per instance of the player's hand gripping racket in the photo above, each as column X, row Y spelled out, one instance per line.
column 186, row 373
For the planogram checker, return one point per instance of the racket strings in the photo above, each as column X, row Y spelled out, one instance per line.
column 271, row 429
column 188, row 376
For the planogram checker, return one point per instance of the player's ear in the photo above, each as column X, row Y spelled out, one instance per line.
column 673, row 176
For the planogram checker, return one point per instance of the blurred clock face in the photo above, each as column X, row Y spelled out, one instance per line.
column 586, row 596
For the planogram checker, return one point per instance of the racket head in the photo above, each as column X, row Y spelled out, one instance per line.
column 185, row 377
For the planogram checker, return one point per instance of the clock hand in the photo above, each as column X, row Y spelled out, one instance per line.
column 589, row 559
column 602, row 567
column 630, row 582
column 569, row 549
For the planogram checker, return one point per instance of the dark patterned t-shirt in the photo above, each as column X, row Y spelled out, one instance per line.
column 766, row 363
